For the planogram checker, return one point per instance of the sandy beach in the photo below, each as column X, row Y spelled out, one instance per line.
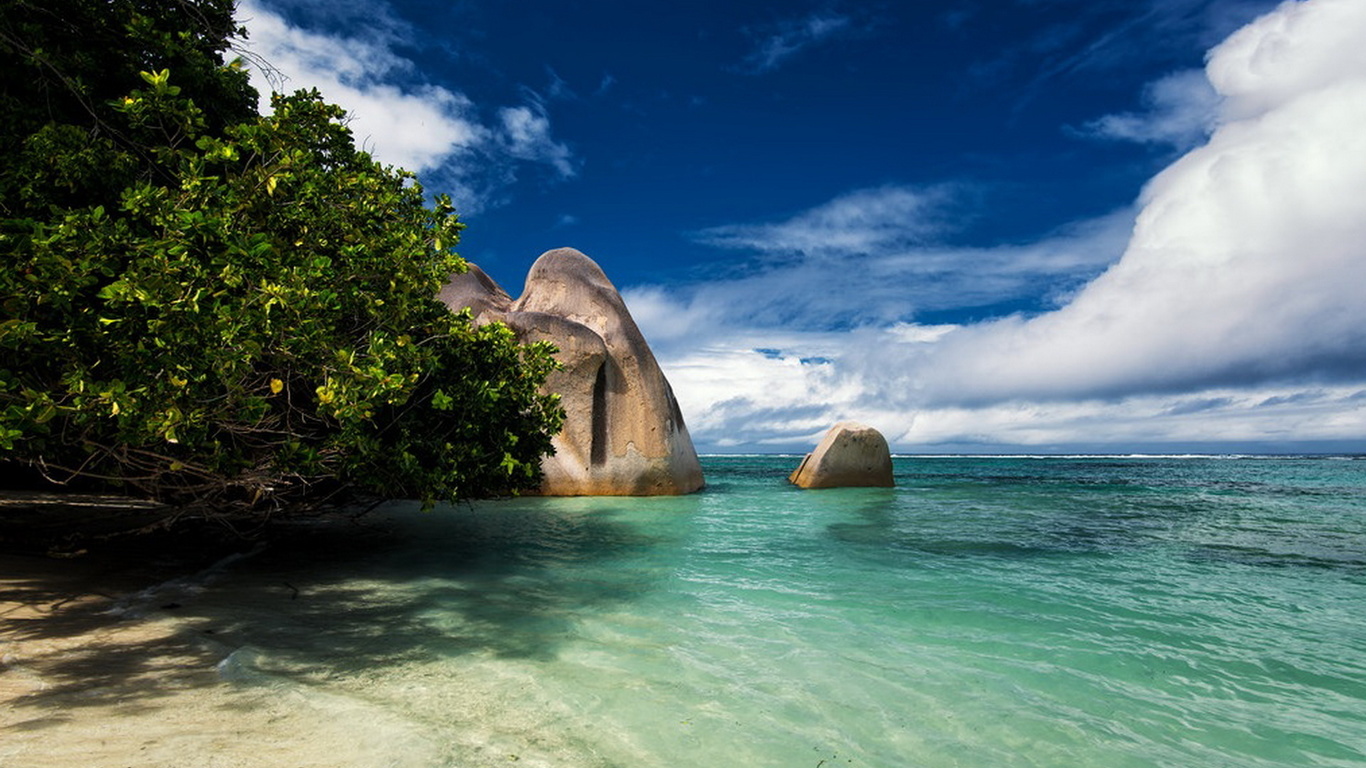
column 89, row 676
column 100, row 665
column 116, row 657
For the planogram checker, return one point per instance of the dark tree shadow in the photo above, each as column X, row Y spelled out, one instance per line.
column 321, row 600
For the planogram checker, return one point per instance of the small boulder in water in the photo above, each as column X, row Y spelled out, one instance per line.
column 850, row 455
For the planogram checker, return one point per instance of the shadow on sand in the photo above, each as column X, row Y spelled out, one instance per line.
column 321, row 600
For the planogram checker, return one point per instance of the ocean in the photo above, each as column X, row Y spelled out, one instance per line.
column 987, row 612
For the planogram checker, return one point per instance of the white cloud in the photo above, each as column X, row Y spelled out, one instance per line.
column 738, row 396
column 526, row 134
column 782, row 41
column 860, row 261
column 393, row 112
column 418, row 128
column 1181, row 110
column 863, row 221
column 1227, row 416
column 1234, row 314
column 1249, row 256
column 1302, row 49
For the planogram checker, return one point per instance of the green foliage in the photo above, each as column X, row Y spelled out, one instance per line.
column 68, row 64
column 237, row 312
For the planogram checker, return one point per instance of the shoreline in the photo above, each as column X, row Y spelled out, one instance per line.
column 122, row 656
column 104, row 664
column 70, row 659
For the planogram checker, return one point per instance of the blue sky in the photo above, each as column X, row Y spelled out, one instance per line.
column 990, row 225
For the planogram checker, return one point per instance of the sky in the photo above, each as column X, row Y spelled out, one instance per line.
column 982, row 226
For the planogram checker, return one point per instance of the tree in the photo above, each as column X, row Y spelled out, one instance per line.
column 68, row 63
column 227, row 310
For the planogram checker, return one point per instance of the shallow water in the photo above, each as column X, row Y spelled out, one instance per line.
column 990, row 612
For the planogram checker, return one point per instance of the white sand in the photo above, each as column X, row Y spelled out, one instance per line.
column 102, row 667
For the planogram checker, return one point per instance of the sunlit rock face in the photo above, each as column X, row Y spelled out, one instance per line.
column 486, row 300
column 850, row 454
column 623, row 434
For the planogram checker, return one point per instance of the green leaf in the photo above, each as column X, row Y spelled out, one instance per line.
column 442, row 401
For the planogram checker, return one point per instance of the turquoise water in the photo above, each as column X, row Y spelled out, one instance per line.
column 987, row 612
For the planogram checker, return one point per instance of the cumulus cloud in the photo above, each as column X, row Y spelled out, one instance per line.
column 1301, row 50
column 1248, row 257
column 393, row 111
column 739, row 394
column 416, row 127
column 1233, row 311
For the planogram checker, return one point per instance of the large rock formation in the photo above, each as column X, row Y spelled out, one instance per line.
column 485, row 299
column 850, row 454
column 623, row 434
